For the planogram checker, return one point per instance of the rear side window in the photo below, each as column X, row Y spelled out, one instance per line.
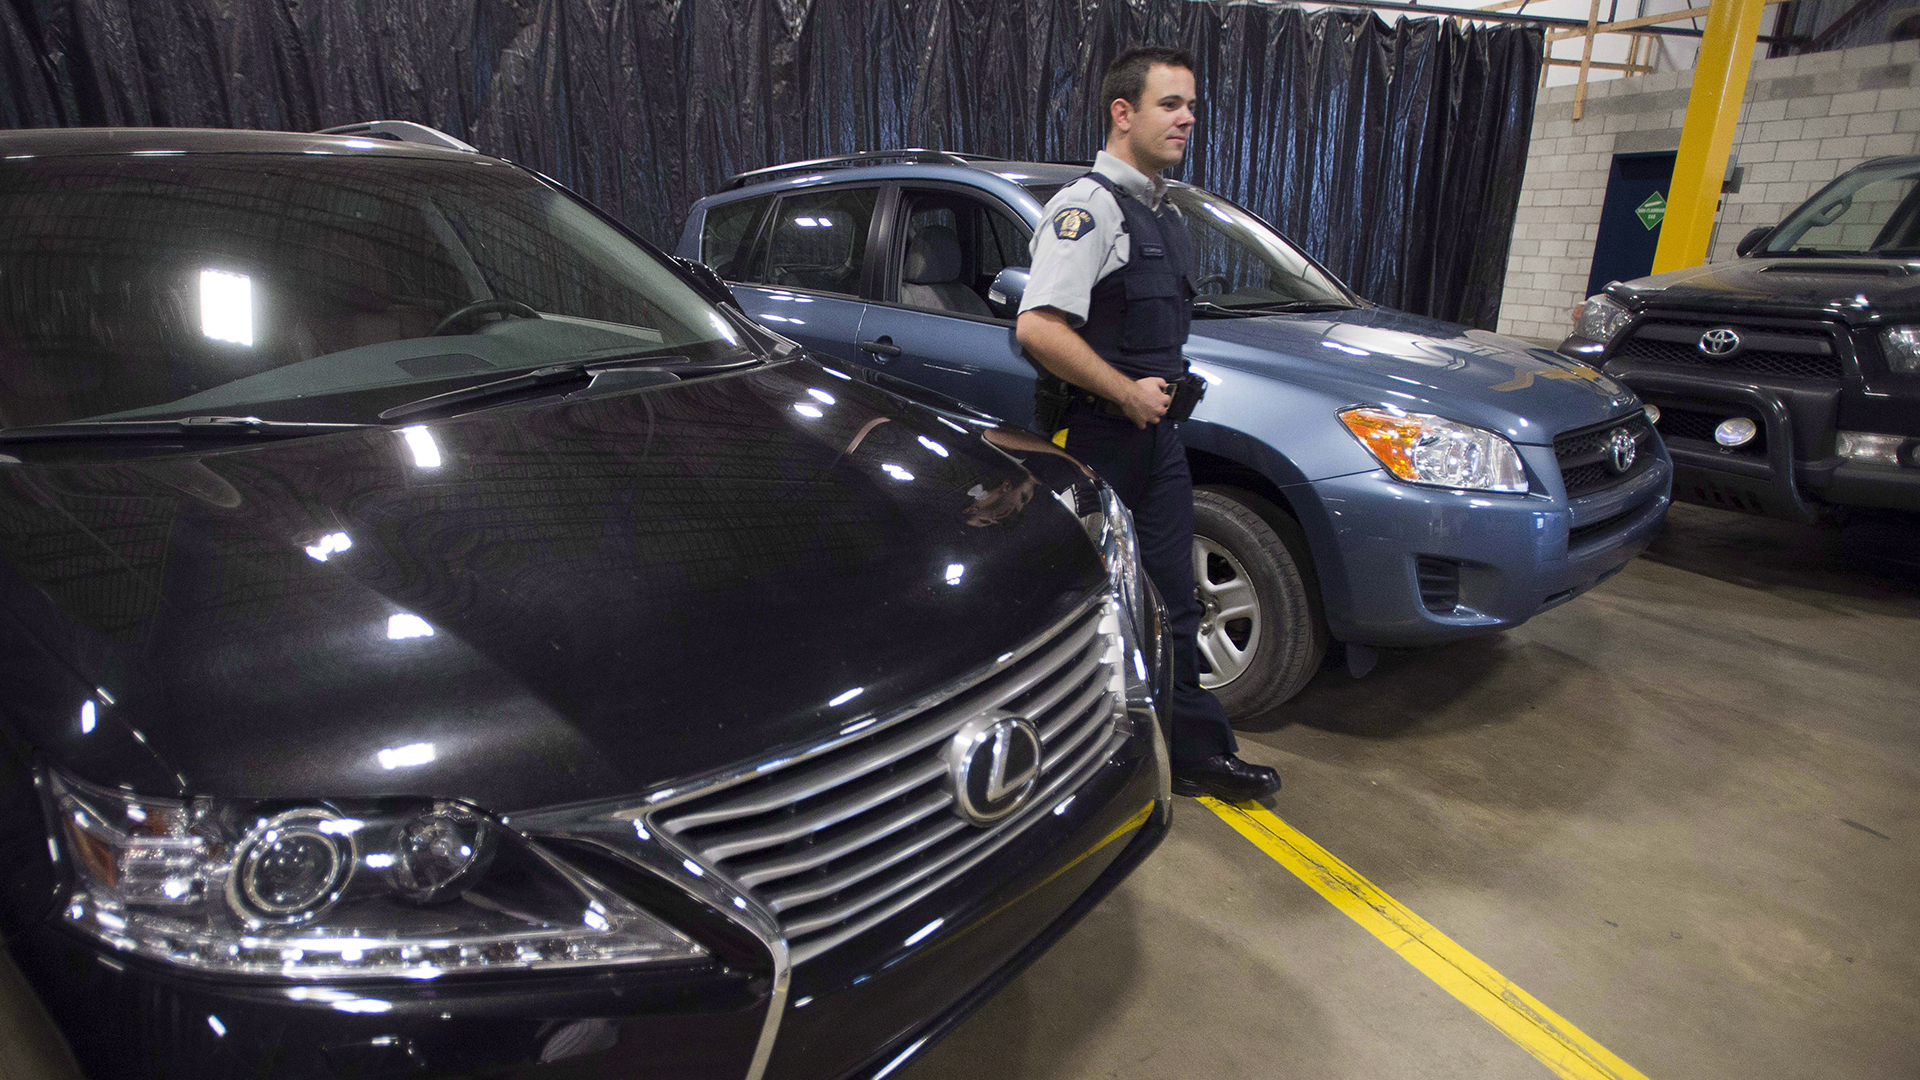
column 818, row 241
column 727, row 235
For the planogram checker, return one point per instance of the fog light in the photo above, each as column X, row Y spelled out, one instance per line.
column 1878, row 449
column 1738, row 431
column 1653, row 414
column 292, row 868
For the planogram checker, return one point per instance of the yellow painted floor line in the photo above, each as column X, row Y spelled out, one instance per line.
column 1539, row 1030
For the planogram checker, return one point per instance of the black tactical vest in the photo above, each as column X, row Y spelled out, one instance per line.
column 1138, row 316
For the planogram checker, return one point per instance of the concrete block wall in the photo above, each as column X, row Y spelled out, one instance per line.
column 1805, row 120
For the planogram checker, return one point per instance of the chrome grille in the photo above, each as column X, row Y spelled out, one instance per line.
column 835, row 842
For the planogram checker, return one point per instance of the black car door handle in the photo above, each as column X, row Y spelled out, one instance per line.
column 883, row 347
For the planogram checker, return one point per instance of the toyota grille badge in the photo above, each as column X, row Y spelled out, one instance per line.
column 1622, row 448
column 1719, row 341
column 994, row 760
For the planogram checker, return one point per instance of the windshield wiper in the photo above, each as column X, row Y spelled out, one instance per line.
column 672, row 368
column 1208, row 307
column 1271, row 307
column 198, row 427
column 1302, row 305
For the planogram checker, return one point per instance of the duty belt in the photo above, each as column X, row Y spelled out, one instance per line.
column 1187, row 390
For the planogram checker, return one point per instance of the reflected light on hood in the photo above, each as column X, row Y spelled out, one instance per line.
column 226, row 306
column 403, row 626
column 328, row 546
column 426, row 452
column 405, row 757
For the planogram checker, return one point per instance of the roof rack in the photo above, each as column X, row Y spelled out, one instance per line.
column 871, row 157
column 405, row 131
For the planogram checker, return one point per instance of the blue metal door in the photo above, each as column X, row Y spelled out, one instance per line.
column 1630, row 218
column 826, row 324
column 975, row 360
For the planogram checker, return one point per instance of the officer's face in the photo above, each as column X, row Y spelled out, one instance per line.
column 1157, row 131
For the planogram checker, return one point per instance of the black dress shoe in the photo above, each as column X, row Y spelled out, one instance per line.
column 1224, row 776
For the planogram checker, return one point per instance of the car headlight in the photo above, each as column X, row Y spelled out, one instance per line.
column 1600, row 318
column 415, row 888
column 1424, row 449
column 1112, row 532
column 1901, row 344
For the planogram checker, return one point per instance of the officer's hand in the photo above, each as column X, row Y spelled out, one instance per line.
column 1149, row 401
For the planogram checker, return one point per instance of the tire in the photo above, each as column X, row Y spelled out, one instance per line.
column 1250, row 557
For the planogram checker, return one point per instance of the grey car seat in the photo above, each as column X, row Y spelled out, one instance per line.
column 932, row 274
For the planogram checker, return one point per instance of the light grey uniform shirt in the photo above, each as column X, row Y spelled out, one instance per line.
column 1081, row 238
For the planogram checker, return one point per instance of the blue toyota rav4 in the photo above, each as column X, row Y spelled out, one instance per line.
column 1362, row 475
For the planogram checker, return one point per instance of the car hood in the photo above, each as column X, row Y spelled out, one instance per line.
column 1373, row 355
column 533, row 605
column 1853, row 289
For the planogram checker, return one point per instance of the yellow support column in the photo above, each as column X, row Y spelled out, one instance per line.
column 1719, row 85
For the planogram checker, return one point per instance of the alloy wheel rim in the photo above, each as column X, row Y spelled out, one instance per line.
column 1231, row 623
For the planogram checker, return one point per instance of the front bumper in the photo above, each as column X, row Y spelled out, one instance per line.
column 887, row 993
column 1788, row 471
column 1388, row 552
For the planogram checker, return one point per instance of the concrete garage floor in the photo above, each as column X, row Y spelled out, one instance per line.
column 1679, row 811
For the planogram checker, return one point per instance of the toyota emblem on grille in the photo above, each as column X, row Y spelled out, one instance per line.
column 994, row 760
column 1720, row 341
column 1622, row 448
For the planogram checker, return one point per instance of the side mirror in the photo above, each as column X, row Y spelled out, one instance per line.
column 1751, row 240
column 1009, row 285
column 709, row 284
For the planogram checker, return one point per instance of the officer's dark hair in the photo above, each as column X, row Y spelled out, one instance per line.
column 1126, row 77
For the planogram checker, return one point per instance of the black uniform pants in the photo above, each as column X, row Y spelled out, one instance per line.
column 1148, row 470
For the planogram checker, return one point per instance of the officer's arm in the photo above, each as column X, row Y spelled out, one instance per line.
column 1046, row 334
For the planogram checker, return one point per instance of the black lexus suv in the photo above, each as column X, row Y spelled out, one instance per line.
column 1787, row 380
column 440, row 636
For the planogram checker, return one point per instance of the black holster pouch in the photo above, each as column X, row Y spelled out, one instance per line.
column 1051, row 396
column 1188, row 389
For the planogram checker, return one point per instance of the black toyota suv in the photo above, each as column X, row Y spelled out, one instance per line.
column 439, row 637
column 1787, row 380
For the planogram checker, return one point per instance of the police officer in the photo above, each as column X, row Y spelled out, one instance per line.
column 1107, row 311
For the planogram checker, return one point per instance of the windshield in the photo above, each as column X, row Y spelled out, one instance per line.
column 1869, row 212
column 290, row 286
column 1240, row 262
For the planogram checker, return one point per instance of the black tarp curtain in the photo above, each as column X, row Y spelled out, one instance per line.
column 1393, row 153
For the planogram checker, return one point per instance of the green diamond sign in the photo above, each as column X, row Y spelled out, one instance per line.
column 1652, row 211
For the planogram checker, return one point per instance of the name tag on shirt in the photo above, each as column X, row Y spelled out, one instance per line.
column 1152, row 251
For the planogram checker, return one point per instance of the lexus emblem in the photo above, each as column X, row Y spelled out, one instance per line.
column 1720, row 341
column 1622, row 448
column 994, row 760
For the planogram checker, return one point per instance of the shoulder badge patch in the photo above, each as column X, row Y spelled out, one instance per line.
column 1072, row 223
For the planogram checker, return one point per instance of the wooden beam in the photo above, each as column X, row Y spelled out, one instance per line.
column 1602, row 65
column 1586, row 60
